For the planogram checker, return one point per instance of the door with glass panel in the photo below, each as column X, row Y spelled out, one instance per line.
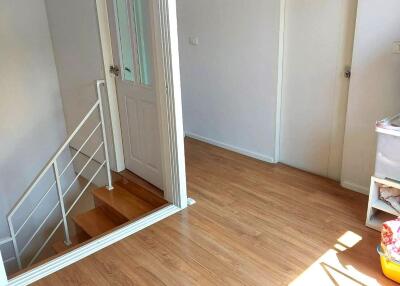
column 132, row 36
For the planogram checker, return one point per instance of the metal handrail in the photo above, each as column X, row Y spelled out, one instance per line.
column 67, row 213
column 80, row 149
column 61, row 174
column 61, row 194
column 81, row 171
column 5, row 240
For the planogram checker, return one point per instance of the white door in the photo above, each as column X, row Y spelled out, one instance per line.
column 132, row 36
column 319, row 39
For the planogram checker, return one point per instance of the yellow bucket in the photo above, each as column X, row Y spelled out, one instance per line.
column 390, row 268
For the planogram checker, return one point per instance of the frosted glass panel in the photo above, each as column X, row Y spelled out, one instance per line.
column 141, row 11
column 125, row 40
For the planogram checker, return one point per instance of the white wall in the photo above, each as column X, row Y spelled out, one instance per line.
column 229, row 81
column 374, row 88
column 77, row 48
column 31, row 113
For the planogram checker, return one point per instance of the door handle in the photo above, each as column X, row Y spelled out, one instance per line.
column 115, row 70
column 347, row 72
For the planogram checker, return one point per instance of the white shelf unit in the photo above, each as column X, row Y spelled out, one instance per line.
column 379, row 211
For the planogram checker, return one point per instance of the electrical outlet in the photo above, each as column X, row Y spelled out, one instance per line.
column 396, row 47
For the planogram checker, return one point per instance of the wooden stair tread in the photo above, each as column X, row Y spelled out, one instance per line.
column 123, row 202
column 60, row 246
column 142, row 193
column 94, row 222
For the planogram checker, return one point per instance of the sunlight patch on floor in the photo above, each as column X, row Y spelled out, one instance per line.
column 328, row 270
column 349, row 239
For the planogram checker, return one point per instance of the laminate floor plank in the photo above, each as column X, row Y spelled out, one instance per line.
column 254, row 223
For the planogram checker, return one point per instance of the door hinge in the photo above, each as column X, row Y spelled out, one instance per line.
column 347, row 72
column 115, row 70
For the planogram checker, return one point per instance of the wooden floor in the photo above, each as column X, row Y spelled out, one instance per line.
column 253, row 224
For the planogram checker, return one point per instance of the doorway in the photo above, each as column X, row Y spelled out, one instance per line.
column 169, row 114
column 318, row 50
column 133, row 45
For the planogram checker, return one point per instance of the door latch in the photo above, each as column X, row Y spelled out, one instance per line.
column 347, row 72
column 115, row 70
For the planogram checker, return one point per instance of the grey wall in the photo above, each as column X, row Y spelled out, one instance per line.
column 374, row 88
column 229, row 81
column 31, row 113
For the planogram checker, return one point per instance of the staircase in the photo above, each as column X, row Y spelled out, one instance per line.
column 35, row 222
column 127, row 202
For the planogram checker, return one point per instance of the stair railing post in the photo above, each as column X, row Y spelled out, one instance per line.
column 61, row 199
column 14, row 241
column 3, row 275
column 99, row 83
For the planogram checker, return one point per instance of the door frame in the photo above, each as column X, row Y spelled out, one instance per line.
column 280, row 82
column 168, row 90
column 279, row 86
column 172, row 142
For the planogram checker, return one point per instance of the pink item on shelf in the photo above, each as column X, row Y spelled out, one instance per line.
column 390, row 236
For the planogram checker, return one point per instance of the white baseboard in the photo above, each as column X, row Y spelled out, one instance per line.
column 92, row 247
column 355, row 187
column 229, row 147
column 348, row 185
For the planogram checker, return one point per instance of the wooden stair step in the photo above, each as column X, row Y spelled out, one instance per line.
column 94, row 222
column 123, row 202
column 60, row 246
column 142, row 193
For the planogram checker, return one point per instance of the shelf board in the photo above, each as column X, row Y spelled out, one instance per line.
column 387, row 182
column 381, row 205
column 378, row 219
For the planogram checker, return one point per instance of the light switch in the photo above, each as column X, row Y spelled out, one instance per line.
column 396, row 47
column 194, row 41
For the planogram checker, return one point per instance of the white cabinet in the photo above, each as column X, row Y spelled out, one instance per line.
column 378, row 210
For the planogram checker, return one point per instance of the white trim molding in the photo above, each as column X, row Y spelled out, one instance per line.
column 170, row 102
column 106, row 47
column 75, row 255
column 3, row 275
column 355, row 187
column 169, row 96
column 232, row 148
column 281, row 69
